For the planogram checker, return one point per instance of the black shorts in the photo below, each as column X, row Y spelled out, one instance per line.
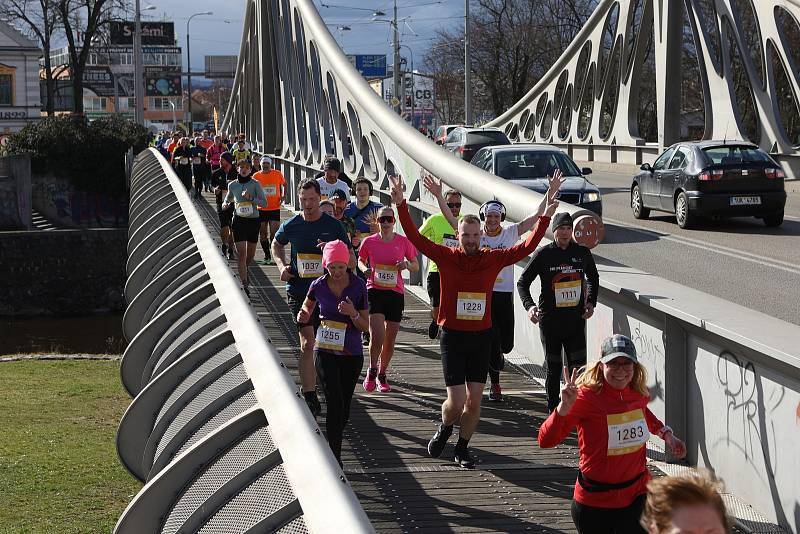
column 388, row 302
column 295, row 303
column 225, row 217
column 245, row 229
column 269, row 215
column 434, row 292
column 465, row 355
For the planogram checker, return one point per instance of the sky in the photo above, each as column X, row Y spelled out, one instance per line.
column 211, row 35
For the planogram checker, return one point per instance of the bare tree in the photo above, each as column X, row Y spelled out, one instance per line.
column 37, row 20
column 83, row 22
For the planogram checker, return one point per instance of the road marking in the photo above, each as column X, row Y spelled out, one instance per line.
column 703, row 245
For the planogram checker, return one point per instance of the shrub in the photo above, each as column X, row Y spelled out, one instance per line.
column 91, row 155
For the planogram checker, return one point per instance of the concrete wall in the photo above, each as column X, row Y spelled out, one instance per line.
column 60, row 203
column 65, row 272
column 15, row 193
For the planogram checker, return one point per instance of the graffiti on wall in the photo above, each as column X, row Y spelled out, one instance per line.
column 59, row 202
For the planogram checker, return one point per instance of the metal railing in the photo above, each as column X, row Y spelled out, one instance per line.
column 218, row 430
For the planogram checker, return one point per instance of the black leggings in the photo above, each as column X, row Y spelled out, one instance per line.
column 571, row 335
column 591, row 520
column 338, row 376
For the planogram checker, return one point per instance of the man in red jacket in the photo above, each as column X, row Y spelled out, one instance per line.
column 467, row 275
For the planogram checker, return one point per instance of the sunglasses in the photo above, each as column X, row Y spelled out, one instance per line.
column 386, row 219
column 454, row 204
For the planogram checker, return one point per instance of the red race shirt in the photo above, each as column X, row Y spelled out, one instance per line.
column 613, row 428
column 467, row 281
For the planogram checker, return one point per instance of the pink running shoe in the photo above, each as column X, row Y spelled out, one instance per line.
column 369, row 380
column 383, row 384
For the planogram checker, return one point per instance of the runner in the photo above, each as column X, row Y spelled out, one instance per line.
column 274, row 185
column 342, row 311
column 467, row 277
column 200, row 168
column 495, row 236
column 363, row 210
column 304, row 232
column 326, row 206
column 214, row 152
column 219, row 180
column 570, row 284
column 245, row 194
column 181, row 162
column 339, row 200
column 608, row 405
column 437, row 229
column 689, row 503
column 382, row 258
column 333, row 171
column 330, row 181
column 240, row 152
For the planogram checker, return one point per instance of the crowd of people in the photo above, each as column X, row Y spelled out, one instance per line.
column 345, row 289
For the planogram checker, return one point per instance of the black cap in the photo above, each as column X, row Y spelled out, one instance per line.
column 333, row 164
column 227, row 156
column 338, row 194
column 561, row 219
column 616, row 346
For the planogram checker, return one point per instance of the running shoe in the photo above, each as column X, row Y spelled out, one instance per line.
column 433, row 330
column 464, row 459
column 365, row 338
column 231, row 254
column 439, row 440
column 383, row 384
column 314, row 405
column 369, row 380
column 246, row 290
column 495, row 393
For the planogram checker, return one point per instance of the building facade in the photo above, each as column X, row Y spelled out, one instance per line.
column 19, row 80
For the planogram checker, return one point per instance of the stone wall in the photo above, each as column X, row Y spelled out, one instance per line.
column 15, row 193
column 61, row 204
column 63, row 272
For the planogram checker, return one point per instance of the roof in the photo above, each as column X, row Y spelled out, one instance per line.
column 12, row 36
column 527, row 147
column 716, row 142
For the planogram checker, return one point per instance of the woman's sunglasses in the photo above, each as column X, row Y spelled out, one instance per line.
column 386, row 219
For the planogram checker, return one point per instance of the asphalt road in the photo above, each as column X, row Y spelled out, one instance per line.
column 740, row 259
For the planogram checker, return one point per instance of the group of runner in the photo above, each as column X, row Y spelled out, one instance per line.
column 344, row 277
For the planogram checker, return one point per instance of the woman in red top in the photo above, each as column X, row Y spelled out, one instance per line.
column 608, row 405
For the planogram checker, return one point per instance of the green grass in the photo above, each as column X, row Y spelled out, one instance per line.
column 59, row 470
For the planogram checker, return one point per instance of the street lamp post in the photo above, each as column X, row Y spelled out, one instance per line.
column 138, row 74
column 467, row 69
column 413, row 92
column 189, row 65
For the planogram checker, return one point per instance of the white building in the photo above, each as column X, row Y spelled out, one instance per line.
column 19, row 80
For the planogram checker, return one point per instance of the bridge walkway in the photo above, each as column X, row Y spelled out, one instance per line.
column 515, row 487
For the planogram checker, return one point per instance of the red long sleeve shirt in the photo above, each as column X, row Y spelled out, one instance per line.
column 467, row 281
column 613, row 427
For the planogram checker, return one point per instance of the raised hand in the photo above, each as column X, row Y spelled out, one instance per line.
column 552, row 205
column 432, row 185
column 569, row 392
column 346, row 307
column 554, row 184
column 396, row 188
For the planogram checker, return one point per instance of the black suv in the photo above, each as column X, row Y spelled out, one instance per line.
column 465, row 141
column 711, row 178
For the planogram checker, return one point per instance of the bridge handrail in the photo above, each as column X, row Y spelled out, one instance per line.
column 326, row 499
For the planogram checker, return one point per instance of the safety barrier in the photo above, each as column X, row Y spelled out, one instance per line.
column 217, row 430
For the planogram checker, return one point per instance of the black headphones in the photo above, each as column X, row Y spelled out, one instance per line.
column 485, row 205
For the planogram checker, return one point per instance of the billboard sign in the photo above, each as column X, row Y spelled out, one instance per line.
column 163, row 81
column 100, row 81
column 221, row 66
column 153, row 33
column 370, row 66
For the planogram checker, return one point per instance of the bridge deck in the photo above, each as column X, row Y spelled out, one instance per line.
column 516, row 486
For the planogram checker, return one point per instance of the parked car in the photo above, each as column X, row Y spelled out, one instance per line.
column 711, row 179
column 464, row 142
column 529, row 165
column 443, row 131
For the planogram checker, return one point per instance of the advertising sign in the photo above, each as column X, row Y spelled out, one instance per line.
column 221, row 66
column 370, row 66
column 153, row 33
column 100, row 80
column 163, row 81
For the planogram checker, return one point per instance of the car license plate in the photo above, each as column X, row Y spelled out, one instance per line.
column 745, row 201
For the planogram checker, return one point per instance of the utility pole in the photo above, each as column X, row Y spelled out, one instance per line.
column 396, row 69
column 138, row 75
column 467, row 69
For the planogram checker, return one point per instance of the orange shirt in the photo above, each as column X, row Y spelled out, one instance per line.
column 271, row 182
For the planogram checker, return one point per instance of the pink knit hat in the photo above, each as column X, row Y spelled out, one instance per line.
column 335, row 251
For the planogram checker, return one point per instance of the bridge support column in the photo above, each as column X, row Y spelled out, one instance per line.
column 669, row 48
column 676, row 369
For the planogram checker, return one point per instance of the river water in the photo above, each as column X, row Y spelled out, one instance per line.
column 94, row 334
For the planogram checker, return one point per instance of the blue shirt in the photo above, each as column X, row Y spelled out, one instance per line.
column 360, row 215
column 303, row 236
